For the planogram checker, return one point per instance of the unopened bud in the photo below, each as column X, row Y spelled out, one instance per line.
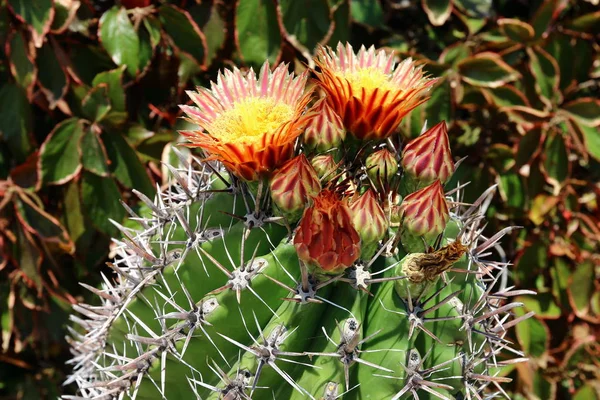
column 325, row 130
column 325, row 166
column 293, row 185
column 381, row 166
column 369, row 221
column 428, row 157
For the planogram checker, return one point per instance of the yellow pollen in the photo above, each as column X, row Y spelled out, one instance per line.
column 250, row 119
column 369, row 79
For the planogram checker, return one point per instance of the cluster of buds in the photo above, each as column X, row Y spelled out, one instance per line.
column 252, row 125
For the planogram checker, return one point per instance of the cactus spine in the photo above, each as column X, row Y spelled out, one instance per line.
column 211, row 300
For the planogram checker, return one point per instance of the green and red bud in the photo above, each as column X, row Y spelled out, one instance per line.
column 325, row 130
column 381, row 166
column 428, row 157
column 326, row 239
column 325, row 166
column 293, row 185
column 369, row 220
column 425, row 212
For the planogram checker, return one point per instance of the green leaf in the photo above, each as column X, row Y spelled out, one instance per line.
column 547, row 76
column 487, row 70
column 93, row 154
column 59, row 154
column 39, row 222
column 438, row 11
column 569, row 51
column 479, row 9
column 100, row 197
column 15, row 121
column 119, row 38
column 308, row 21
column 556, row 159
column 587, row 392
column 114, row 82
column 258, row 35
column 439, row 106
column 51, row 75
column 184, row 32
column 507, row 96
column 367, row 12
column 560, row 274
column 528, row 147
column 545, row 15
column 516, row 30
column 341, row 19
column 585, row 110
column 512, row 190
column 209, row 20
column 581, row 287
column 63, row 15
column 37, row 14
column 96, row 105
column 542, row 304
column 455, row 53
column 74, row 220
column 125, row 164
column 591, row 137
column 533, row 335
column 21, row 62
column 587, row 23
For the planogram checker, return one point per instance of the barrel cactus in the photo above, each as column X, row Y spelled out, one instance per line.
column 306, row 252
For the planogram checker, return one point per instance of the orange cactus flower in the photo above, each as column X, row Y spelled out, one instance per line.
column 326, row 238
column 249, row 124
column 367, row 91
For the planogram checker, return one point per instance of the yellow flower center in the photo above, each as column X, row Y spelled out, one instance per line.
column 369, row 79
column 250, row 119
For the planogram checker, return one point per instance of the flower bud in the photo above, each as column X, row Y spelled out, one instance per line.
column 325, row 166
column 425, row 212
column 369, row 221
column 428, row 157
column 381, row 166
column 293, row 185
column 326, row 239
column 325, row 130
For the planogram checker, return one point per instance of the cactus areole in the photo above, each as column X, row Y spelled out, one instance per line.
column 275, row 269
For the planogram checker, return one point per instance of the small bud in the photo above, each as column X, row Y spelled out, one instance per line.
column 428, row 157
column 425, row 212
column 325, row 130
column 325, row 166
column 293, row 185
column 369, row 221
column 381, row 166
column 326, row 239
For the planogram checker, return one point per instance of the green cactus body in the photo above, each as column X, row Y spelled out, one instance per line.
column 216, row 296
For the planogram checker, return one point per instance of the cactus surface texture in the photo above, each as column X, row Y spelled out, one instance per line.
column 256, row 275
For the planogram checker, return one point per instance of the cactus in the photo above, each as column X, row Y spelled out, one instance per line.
column 224, row 290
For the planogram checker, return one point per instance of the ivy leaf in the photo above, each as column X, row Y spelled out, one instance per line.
column 341, row 20
column 212, row 25
column 100, row 197
column 119, row 38
column 15, row 121
column 556, row 160
column 487, row 70
column 38, row 14
column 96, row 105
column 581, row 288
column 59, row 154
column 115, row 93
column 258, row 34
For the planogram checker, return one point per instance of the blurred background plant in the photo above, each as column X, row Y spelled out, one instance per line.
column 89, row 94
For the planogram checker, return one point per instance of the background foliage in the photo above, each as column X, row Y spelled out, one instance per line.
column 89, row 94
